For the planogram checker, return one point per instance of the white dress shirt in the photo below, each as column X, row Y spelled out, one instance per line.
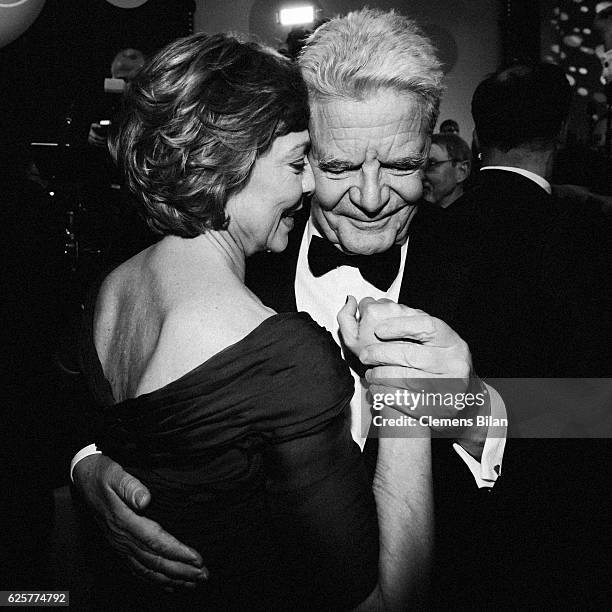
column 324, row 296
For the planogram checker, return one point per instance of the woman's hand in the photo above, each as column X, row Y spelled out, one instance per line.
column 358, row 322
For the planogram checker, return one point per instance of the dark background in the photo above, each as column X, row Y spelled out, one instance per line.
column 55, row 69
column 66, row 54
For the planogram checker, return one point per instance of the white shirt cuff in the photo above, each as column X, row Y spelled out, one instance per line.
column 487, row 470
column 90, row 449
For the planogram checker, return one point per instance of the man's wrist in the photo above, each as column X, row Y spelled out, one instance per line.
column 90, row 449
column 486, row 469
column 473, row 438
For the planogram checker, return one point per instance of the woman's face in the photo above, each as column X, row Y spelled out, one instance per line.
column 261, row 214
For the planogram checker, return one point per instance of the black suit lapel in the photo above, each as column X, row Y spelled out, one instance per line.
column 437, row 265
column 413, row 268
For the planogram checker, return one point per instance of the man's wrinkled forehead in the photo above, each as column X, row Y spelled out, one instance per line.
column 384, row 124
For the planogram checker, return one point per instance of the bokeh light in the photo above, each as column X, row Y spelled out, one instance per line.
column 573, row 40
column 574, row 45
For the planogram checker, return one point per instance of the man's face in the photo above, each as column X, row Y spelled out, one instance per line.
column 443, row 177
column 127, row 63
column 366, row 157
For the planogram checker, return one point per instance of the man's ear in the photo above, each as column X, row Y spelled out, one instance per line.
column 462, row 170
column 475, row 143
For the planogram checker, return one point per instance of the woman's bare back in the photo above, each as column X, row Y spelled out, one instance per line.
column 166, row 311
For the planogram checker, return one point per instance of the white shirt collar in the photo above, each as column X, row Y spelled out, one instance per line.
column 312, row 230
column 532, row 176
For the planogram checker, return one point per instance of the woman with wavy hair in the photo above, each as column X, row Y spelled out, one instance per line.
column 232, row 415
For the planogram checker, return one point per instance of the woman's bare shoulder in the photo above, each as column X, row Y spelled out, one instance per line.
column 175, row 312
column 122, row 277
column 194, row 330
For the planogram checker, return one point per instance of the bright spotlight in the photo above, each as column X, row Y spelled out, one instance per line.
column 297, row 15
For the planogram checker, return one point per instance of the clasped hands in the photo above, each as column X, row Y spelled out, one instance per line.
column 411, row 354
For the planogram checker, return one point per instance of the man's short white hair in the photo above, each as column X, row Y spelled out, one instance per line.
column 369, row 50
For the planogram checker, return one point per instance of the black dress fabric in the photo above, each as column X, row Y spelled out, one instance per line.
column 249, row 459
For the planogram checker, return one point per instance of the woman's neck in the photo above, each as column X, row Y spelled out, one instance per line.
column 218, row 247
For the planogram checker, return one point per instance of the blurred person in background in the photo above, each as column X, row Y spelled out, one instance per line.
column 447, row 169
column 449, row 126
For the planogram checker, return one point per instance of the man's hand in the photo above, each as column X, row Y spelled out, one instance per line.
column 114, row 497
column 410, row 351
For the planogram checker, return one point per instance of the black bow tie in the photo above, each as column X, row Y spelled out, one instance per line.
column 379, row 269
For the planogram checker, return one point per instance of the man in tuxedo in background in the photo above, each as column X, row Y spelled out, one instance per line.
column 374, row 84
column 542, row 259
column 541, row 308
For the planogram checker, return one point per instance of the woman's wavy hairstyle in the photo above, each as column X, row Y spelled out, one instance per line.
column 194, row 121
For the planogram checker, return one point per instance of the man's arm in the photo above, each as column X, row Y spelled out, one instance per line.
column 115, row 497
column 483, row 455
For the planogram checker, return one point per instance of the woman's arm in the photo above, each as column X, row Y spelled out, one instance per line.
column 404, row 502
column 402, row 483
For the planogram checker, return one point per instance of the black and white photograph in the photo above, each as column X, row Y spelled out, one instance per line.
column 308, row 305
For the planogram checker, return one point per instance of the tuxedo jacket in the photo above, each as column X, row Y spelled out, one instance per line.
column 437, row 280
column 541, row 306
column 520, row 276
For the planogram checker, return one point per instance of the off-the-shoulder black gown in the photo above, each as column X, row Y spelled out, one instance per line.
column 249, row 459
